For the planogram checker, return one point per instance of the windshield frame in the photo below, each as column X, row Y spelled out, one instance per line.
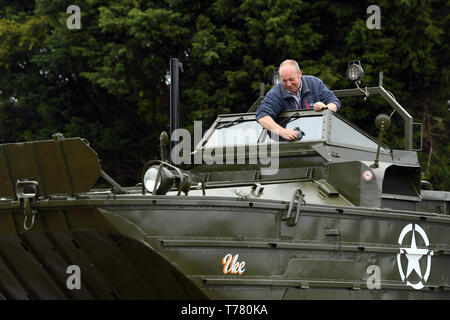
column 383, row 149
column 222, row 119
column 326, row 115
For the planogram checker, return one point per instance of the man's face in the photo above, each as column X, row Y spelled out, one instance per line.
column 290, row 78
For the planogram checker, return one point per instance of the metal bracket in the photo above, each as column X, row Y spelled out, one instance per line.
column 116, row 187
column 257, row 189
column 27, row 192
column 289, row 218
column 388, row 97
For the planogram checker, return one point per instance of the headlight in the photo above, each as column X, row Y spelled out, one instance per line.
column 160, row 186
column 354, row 71
column 158, row 179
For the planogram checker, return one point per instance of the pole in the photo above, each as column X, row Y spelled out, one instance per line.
column 175, row 66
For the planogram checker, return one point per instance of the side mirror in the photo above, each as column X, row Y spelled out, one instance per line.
column 383, row 122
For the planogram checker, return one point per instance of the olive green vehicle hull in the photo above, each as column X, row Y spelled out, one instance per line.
column 136, row 246
column 338, row 219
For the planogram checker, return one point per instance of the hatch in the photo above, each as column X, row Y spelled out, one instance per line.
column 60, row 166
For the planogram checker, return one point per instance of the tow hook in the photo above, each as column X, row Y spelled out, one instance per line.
column 27, row 192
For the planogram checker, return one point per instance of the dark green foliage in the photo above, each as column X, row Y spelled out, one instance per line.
column 107, row 82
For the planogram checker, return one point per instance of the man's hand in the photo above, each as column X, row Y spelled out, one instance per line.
column 287, row 134
column 320, row 105
column 268, row 123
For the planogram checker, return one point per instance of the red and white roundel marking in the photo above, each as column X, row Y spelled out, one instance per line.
column 367, row 175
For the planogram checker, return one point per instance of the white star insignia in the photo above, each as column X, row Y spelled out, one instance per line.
column 413, row 255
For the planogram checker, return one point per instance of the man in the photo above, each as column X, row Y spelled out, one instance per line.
column 294, row 92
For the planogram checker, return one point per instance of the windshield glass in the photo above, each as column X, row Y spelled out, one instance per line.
column 310, row 126
column 237, row 134
column 343, row 133
column 244, row 132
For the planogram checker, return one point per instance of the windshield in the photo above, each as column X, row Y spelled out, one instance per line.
column 310, row 126
column 236, row 134
column 343, row 133
column 315, row 127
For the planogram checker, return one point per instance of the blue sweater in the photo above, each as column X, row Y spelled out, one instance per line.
column 278, row 99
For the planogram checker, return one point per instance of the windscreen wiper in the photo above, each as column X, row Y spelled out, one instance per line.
column 231, row 123
column 289, row 119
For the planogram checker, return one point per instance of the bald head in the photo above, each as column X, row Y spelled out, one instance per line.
column 290, row 75
column 291, row 63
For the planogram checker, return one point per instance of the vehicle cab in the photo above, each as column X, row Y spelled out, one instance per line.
column 332, row 154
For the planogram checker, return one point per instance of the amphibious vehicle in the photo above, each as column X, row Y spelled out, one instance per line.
column 334, row 215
